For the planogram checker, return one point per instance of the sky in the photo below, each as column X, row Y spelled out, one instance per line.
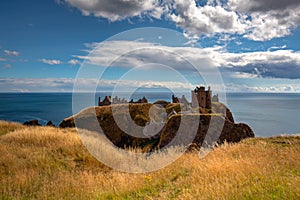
column 238, row 45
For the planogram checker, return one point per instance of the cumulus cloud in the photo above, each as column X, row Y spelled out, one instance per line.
column 254, row 19
column 276, row 64
column 138, row 53
column 11, row 53
column 51, row 62
column 2, row 59
column 116, row 9
column 268, row 19
column 208, row 19
column 74, row 62
column 262, row 6
column 273, row 24
column 275, row 70
column 258, row 20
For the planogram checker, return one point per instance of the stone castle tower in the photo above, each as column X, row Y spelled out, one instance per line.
column 201, row 97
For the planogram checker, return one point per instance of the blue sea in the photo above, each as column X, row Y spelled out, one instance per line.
column 267, row 114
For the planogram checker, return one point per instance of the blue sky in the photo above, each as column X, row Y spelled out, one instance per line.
column 254, row 45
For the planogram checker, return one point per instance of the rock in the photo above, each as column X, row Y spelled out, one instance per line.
column 67, row 123
column 101, row 119
column 34, row 122
column 218, row 107
column 50, row 123
column 229, row 115
column 105, row 123
column 230, row 132
column 162, row 103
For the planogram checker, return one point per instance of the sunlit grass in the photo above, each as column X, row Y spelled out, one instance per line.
column 7, row 127
column 52, row 163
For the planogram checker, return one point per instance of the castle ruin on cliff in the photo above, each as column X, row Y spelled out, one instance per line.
column 200, row 98
column 108, row 101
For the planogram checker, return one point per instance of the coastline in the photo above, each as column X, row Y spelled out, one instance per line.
column 257, row 111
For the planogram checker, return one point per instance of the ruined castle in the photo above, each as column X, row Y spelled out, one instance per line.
column 108, row 101
column 200, row 98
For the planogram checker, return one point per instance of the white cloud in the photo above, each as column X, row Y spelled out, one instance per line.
column 242, row 75
column 248, row 6
column 277, row 63
column 269, row 18
column 208, row 19
column 137, row 53
column 74, row 62
column 276, row 88
column 66, row 85
column 2, row 59
column 257, row 20
column 35, row 85
column 11, row 53
column 254, row 19
column 116, row 9
column 261, row 57
column 51, row 62
column 276, row 47
column 273, row 24
column 86, row 85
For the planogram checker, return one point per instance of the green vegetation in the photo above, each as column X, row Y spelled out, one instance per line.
column 52, row 163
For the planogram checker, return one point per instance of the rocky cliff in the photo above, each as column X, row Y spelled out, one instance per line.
column 163, row 125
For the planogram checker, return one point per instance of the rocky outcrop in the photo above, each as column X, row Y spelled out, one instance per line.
column 34, row 122
column 196, row 129
column 104, row 122
column 50, row 123
column 218, row 107
column 67, row 123
column 162, row 103
column 211, row 129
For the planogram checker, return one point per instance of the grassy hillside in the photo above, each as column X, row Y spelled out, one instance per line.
column 51, row 163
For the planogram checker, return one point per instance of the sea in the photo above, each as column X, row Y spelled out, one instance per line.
column 268, row 114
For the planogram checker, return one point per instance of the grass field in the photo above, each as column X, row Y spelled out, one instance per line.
column 52, row 163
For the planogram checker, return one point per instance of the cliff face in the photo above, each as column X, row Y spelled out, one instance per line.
column 185, row 128
column 101, row 120
column 211, row 129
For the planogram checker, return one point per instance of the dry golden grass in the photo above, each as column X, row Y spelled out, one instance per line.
column 7, row 127
column 52, row 163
